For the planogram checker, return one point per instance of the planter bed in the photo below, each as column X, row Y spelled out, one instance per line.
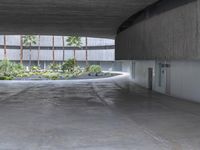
column 80, row 77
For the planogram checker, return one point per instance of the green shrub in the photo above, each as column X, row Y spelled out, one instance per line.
column 38, row 73
column 77, row 71
column 6, row 66
column 2, row 77
column 67, row 76
column 51, row 76
column 9, row 69
column 18, row 67
column 8, row 74
column 5, row 78
column 23, row 75
column 95, row 69
column 69, row 65
column 35, row 68
column 54, row 77
column 8, row 78
column 54, row 67
column 87, row 68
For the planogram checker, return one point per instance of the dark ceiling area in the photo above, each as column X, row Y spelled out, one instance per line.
column 96, row 18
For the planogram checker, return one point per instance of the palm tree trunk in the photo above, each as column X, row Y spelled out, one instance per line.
column 53, row 49
column 21, row 49
column 74, row 54
column 38, row 57
column 86, row 51
column 63, row 40
column 5, row 48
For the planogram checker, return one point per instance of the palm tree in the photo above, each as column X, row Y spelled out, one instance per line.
column 21, row 49
column 74, row 41
column 38, row 57
column 63, row 41
column 53, row 48
column 5, row 48
column 86, row 51
column 29, row 40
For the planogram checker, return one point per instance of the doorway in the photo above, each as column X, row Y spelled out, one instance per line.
column 133, row 70
column 150, row 79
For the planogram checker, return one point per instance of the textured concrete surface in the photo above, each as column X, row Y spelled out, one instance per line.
column 96, row 18
column 75, row 115
column 168, row 31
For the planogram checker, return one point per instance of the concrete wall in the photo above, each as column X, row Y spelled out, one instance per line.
column 181, row 79
column 165, row 37
column 169, row 30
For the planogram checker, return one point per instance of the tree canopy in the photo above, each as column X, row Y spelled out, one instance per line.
column 29, row 40
column 74, row 41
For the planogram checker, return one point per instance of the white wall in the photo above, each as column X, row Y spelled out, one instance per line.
column 185, row 79
column 126, row 66
column 141, row 72
column 162, row 78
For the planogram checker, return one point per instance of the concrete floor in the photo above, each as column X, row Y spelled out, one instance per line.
column 94, row 116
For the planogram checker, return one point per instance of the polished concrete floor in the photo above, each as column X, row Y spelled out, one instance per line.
column 94, row 116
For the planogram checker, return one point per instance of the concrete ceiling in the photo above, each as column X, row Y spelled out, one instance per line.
column 96, row 18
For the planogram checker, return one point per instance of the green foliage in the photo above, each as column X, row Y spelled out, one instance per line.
column 29, row 40
column 95, row 69
column 10, row 70
column 87, row 68
column 74, row 41
column 69, row 65
column 23, row 74
column 51, row 76
column 54, row 77
column 18, row 67
column 35, row 68
column 54, row 67
column 5, row 78
column 6, row 66
column 77, row 71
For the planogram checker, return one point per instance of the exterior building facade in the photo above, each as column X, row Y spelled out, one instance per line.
column 100, row 51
